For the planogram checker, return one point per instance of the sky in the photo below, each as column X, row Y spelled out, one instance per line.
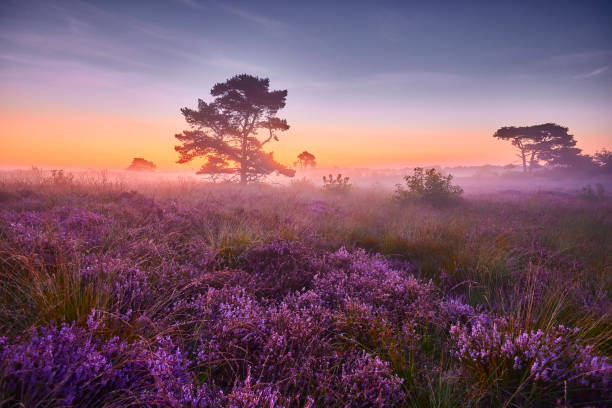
column 370, row 84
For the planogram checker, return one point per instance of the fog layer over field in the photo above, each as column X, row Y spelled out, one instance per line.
column 473, row 179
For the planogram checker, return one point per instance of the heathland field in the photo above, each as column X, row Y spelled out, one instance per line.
column 190, row 294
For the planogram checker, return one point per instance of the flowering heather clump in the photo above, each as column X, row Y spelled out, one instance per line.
column 31, row 234
column 82, row 225
column 368, row 382
column 291, row 344
column 59, row 364
column 456, row 311
column 68, row 365
column 248, row 395
column 491, row 346
column 233, row 331
column 281, row 267
column 390, row 292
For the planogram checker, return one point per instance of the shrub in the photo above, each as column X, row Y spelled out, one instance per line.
column 588, row 194
column 336, row 185
column 59, row 178
column 428, row 185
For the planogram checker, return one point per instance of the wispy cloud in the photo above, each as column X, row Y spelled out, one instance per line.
column 594, row 73
column 89, row 35
column 270, row 24
column 154, row 31
column 77, row 26
column 262, row 21
column 70, row 48
column 235, row 64
column 578, row 57
column 392, row 25
column 576, row 65
column 195, row 4
column 411, row 77
column 385, row 79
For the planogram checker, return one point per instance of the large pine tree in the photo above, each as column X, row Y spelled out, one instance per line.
column 231, row 131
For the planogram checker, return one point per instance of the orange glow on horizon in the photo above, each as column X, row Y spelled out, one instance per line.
column 85, row 140
column 89, row 140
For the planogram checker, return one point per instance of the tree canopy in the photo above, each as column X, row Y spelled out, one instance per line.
column 603, row 158
column 231, row 131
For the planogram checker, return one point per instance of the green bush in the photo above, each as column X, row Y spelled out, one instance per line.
column 428, row 185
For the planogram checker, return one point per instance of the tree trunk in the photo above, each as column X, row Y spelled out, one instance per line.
column 524, row 161
column 531, row 161
column 246, row 130
column 243, row 165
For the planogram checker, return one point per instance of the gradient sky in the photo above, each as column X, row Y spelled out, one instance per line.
column 371, row 84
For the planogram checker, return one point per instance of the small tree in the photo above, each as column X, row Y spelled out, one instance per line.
column 140, row 164
column 305, row 159
column 232, row 130
column 430, row 186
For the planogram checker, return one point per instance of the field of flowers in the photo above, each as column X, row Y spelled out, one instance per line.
column 198, row 295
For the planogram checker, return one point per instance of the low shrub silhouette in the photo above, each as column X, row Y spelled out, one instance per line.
column 589, row 194
column 428, row 185
column 337, row 185
column 59, row 178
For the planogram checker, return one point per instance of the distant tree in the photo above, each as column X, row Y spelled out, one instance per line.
column 226, row 131
column 603, row 159
column 140, row 164
column 547, row 142
column 305, row 159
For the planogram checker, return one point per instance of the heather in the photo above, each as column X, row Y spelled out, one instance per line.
column 184, row 294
